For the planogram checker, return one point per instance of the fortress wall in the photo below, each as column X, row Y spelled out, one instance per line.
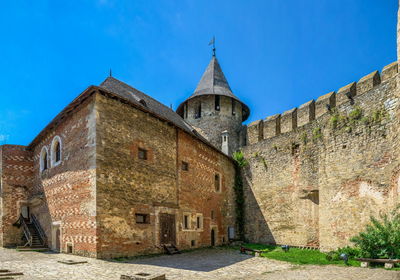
column 318, row 172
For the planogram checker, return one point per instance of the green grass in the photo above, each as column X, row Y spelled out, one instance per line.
column 297, row 256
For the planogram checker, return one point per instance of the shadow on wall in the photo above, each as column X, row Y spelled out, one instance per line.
column 256, row 226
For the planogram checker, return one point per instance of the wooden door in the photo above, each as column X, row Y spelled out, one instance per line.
column 167, row 229
column 213, row 237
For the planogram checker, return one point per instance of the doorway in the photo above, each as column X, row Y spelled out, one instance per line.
column 167, row 229
column 56, row 237
column 57, row 247
column 213, row 237
column 25, row 211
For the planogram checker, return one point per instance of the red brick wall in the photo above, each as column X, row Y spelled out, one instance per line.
column 69, row 188
column 16, row 176
column 197, row 194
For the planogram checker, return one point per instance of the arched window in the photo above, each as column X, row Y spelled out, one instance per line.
column 43, row 159
column 56, row 151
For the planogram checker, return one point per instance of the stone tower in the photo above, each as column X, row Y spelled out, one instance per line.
column 215, row 111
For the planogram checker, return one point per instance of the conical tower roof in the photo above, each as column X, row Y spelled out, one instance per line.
column 213, row 82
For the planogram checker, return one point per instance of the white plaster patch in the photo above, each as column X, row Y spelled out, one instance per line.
column 368, row 191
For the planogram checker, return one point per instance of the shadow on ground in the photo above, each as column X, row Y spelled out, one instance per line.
column 204, row 260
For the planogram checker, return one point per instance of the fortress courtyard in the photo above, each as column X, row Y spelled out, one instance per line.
column 201, row 264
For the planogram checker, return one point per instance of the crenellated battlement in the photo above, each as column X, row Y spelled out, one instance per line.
column 308, row 112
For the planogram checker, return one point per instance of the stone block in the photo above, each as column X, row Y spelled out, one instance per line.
column 272, row 126
column 289, row 120
column 255, row 132
column 306, row 113
column 365, row 264
column 346, row 93
column 325, row 103
column 389, row 265
column 368, row 82
column 389, row 71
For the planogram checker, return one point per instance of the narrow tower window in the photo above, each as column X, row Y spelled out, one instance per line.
column 197, row 113
column 233, row 107
column 185, row 110
column 217, row 103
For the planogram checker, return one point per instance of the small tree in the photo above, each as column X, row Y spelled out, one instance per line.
column 381, row 239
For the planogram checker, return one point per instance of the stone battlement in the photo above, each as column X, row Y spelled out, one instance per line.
column 308, row 112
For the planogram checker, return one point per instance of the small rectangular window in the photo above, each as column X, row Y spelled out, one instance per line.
column 142, row 153
column 142, row 218
column 217, row 183
column 217, row 103
column 193, row 243
column 233, row 107
column 186, row 221
column 212, row 215
column 231, row 233
column 185, row 166
column 199, row 222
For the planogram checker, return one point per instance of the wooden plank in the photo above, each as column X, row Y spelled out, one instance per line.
column 11, row 274
column 377, row 260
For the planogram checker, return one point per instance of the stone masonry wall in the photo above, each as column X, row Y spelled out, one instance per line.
column 127, row 185
column 64, row 195
column 16, row 170
column 318, row 172
column 212, row 123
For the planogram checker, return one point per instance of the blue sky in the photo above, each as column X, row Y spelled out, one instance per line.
column 276, row 54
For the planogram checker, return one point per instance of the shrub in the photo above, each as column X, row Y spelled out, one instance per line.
column 379, row 115
column 356, row 114
column 334, row 121
column 333, row 256
column 317, row 133
column 381, row 239
column 239, row 158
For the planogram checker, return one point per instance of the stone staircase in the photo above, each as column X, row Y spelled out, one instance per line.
column 171, row 249
column 33, row 235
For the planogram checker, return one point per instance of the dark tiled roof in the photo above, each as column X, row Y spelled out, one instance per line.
column 213, row 82
column 146, row 102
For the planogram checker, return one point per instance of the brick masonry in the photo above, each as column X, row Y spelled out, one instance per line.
column 127, row 185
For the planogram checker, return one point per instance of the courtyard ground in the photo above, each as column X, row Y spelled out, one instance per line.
column 196, row 265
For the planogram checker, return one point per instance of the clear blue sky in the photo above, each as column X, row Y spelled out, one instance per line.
column 276, row 54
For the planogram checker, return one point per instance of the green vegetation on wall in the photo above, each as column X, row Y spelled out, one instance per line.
column 241, row 162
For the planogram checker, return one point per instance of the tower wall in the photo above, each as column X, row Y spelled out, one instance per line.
column 213, row 123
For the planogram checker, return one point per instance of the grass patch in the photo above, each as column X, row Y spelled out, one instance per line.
column 297, row 256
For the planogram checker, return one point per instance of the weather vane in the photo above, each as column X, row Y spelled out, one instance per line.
column 212, row 42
